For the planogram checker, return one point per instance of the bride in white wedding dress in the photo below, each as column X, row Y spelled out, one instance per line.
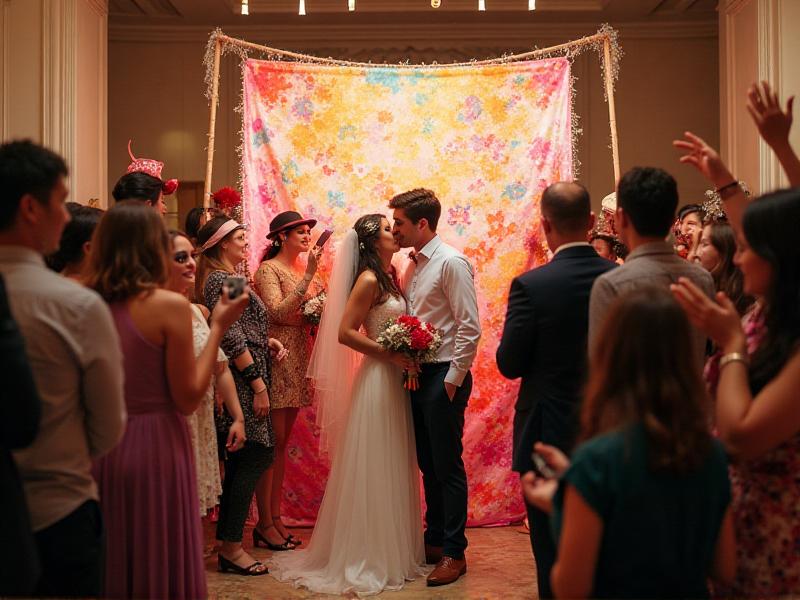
column 368, row 535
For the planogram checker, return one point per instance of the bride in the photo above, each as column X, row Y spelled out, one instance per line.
column 368, row 534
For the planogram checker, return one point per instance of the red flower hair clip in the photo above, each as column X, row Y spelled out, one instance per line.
column 226, row 198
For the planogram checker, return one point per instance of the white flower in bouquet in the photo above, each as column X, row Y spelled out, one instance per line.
column 312, row 308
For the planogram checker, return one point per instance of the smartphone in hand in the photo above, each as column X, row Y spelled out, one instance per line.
column 541, row 468
column 323, row 238
column 235, row 285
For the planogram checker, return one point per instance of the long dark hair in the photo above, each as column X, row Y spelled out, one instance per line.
column 211, row 259
column 368, row 229
column 727, row 276
column 770, row 227
column 79, row 230
column 632, row 379
column 130, row 252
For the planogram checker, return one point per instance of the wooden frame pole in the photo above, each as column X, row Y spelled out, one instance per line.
column 612, row 111
column 212, row 123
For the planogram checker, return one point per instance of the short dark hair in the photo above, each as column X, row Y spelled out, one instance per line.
column 689, row 209
column 419, row 204
column 77, row 232
column 26, row 168
column 649, row 196
column 137, row 186
column 567, row 206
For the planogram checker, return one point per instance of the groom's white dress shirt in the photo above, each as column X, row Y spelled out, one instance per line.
column 441, row 290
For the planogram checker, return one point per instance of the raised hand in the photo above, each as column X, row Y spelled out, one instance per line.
column 719, row 320
column 314, row 256
column 704, row 158
column 773, row 123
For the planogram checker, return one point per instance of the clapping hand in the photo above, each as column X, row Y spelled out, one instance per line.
column 773, row 123
column 718, row 320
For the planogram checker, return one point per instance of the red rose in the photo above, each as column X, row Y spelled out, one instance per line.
column 420, row 339
column 408, row 321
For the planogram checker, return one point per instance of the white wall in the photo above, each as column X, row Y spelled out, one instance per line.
column 668, row 83
column 53, row 73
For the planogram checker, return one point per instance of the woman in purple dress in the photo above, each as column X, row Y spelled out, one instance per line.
column 148, row 489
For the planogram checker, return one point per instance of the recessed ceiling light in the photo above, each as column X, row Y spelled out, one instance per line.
column 302, row 9
column 481, row 4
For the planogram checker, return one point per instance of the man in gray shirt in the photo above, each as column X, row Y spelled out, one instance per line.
column 74, row 353
column 647, row 199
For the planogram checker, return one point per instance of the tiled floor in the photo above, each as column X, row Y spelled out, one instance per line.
column 499, row 562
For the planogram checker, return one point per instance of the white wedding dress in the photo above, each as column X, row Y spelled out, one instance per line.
column 368, row 535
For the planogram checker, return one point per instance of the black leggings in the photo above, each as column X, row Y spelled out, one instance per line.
column 242, row 471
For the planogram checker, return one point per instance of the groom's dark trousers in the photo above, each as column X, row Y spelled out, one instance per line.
column 439, row 425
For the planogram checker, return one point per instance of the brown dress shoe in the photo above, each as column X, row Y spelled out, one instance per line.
column 433, row 554
column 447, row 571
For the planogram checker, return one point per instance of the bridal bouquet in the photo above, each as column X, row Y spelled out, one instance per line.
column 312, row 308
column 414, row 338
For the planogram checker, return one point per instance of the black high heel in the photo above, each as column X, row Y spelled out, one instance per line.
column 290, row 538
column 258, row 539
column 225, row 565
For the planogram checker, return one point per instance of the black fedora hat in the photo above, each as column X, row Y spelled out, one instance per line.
column 288, row 220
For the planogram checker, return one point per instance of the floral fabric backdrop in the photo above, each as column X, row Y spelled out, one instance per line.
column 336, row 142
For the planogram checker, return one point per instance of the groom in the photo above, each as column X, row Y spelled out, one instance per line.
column 440, row 290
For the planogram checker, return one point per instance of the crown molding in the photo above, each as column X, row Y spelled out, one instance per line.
column 515, row 34
column 258, row 7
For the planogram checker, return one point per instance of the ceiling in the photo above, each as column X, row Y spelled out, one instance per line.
column 227, row 12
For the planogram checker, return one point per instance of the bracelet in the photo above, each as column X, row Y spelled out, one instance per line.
column 261, row 391
column 250, row 372
column 733, row 357
column 300, row 290
column 727, row 186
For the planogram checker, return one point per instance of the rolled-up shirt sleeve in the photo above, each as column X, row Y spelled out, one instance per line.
column 459, row 285
column 102, row 379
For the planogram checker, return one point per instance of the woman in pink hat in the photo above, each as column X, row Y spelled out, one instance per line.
column 284, row 283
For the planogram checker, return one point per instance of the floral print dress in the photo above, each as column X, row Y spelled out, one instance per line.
column 766, row 505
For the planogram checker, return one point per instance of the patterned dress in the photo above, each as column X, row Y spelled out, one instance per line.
column 276, row 283
column 250, row 332
column 766, row 506
column 202, row 429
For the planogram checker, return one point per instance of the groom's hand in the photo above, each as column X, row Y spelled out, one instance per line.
column 450, row 388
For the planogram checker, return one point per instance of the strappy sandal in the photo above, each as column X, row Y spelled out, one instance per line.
column 225, row 565
column 290, row 538
column 259, row 539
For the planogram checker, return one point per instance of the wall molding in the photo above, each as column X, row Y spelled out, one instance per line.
column 100, row 7
column 517, row 34
column 5, row 23
column 769, row 69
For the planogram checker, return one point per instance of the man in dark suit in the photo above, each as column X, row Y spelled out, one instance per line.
column 544, row 343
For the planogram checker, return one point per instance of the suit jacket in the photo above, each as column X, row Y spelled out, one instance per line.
column 20, row 411
column 544, row 343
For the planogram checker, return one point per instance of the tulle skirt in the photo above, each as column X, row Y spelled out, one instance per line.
column 368, row 536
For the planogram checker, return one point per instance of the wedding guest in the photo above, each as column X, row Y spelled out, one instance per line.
column 72, row 256
column 201, row 421
column 646, row 201
column 715, row 254
column 73, row 350
column 148, row 487
column 19, row 423
column 642, row 509
column 604, row 244
column 143, row 182
column 544, row 343
column 690, row 219
column 196, row 218
column 284, row 284
column 759, row 371
column 246, row 343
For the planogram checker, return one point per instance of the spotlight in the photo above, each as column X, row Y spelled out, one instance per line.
column 481, row 4
column 245, row 8
column 351, row 5
column 531, row 4
column 302, row 10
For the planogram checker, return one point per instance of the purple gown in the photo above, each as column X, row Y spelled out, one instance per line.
column 148, row 489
